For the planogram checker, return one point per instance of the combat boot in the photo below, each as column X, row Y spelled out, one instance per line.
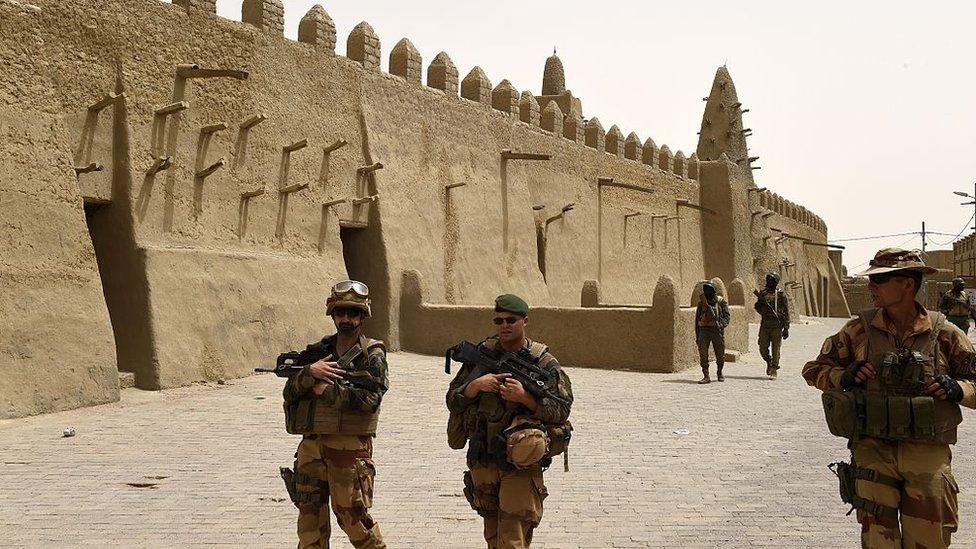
column 719, row 376
column 705, row 379
column 771, row 373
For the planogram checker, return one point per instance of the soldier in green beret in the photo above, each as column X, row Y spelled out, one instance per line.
column 511, row 435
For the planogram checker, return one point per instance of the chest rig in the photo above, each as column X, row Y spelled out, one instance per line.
column 959, row 305
column 325, row 414
column 891, row 407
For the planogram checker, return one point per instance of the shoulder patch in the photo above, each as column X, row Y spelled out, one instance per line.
column 828, row 344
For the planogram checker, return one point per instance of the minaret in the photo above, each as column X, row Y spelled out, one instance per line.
column 722, row 130
column 553, row 78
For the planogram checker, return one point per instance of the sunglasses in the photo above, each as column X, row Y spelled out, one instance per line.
column 340, row 312
column 506, row 320
column 881, row 278
column 353, row 286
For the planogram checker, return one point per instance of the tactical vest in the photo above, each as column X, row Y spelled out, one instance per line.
column 485, row 420
column 885, row 408
column 320, row 414
column 709, row 317
column 960, row 304
column 772, row 301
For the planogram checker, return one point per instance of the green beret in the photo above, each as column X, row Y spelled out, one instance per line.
column 510, row 303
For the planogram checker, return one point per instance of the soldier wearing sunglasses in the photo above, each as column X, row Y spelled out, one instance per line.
column 335, row 404
column 508, row 432
column 893, row 381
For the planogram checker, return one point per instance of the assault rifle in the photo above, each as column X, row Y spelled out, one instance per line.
column 538, row 381
column 758, row 295
column 290, row 363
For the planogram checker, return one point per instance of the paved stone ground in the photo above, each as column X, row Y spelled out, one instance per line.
column 197, row 466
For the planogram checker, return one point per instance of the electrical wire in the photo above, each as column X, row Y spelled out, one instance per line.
column 956, row 237
column 913, row 237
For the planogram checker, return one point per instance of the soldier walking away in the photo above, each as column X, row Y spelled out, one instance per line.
column 774, row 327
column 958, row 305
column 511, row 433
column 711, row 318
column 893, row 381
column 334, row 403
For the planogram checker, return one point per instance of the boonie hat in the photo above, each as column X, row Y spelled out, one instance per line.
column 526, row 443
column 897, row 259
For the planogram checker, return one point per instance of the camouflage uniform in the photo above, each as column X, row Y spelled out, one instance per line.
column 915, row 483
column 710, row 322
column 773, row 306
column 334, row 460
column 958, row 307
column 508, row 499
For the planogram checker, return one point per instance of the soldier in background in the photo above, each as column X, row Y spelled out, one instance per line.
column 337, row 411
column 511, row 435
column 774, row 327
column 893, row 380
column 958, row 305
column 711, row 318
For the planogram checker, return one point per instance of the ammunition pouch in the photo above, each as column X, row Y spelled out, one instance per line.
column 303, row 488
column 321, row 415
column 482, row 502
column 848, row 474
column 559, row 437
column 457, row 433
column 856, row 413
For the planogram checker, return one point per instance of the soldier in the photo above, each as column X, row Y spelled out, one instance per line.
column 774, row 327
column 711, row 318
column 337, row 410
column 958, row 305
column 511, row 434
column 893, row 380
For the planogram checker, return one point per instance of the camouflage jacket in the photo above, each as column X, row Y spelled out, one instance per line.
column 361, row 390
column 774, row 307
column 488, row 413
column 961, row 304
column 850, row 344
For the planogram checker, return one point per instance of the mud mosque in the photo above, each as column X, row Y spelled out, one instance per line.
column 178, row 191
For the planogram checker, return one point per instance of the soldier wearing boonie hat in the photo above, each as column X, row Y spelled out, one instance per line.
column 508, row 431
column 336, row 410
column 893, row 381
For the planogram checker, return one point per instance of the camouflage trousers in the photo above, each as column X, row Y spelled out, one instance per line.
column 716, row 338
column 336, row 468
column 510, row 502
column 770, row 338
column 927, row 500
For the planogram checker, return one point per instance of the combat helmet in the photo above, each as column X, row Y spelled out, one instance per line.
column 349, row 293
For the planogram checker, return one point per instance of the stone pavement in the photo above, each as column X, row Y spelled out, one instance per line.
column 197, row 466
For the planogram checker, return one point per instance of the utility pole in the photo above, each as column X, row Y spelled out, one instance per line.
column 923, row 237
column 973, row 203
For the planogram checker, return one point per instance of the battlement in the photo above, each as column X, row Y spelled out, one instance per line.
column 786, row 208
column 317, row 29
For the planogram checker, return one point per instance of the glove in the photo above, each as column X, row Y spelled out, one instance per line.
column 951, row 387
column 786, row 333
column 848, row 380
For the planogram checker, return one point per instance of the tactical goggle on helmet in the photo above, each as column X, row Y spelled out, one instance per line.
column 351, row 294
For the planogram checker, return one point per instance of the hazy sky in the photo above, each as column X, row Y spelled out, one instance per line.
column 861, row 111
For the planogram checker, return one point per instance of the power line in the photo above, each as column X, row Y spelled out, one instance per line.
column 956, row 237
column 852, row 239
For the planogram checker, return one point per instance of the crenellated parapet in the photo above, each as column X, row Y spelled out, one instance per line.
column 318, row 29
column 363, row 46
column 505, row 98
column 528, row 108
column 406, row 62
column 442, row 74
column 267, row 15
column 476, row 86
